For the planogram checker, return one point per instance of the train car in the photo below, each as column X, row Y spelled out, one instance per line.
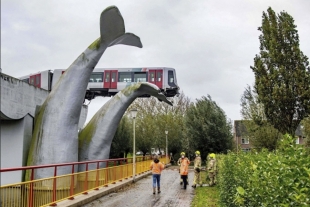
column 109, row 81
column 41, row 79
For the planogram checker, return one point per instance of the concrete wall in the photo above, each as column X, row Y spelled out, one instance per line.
column 19, row 98
column 15, row 142
column 18, row 104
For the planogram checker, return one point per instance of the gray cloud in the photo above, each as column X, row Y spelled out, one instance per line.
column 211, row 44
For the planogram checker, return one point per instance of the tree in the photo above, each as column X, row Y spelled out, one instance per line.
column 260, row 132
column 154, row 117
column 282, row 79
column 208, row 130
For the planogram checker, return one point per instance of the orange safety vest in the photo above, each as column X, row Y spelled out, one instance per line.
column 184, row 166
column 156, row 167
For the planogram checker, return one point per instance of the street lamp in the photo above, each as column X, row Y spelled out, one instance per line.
column 166, row 132
column 133, row 115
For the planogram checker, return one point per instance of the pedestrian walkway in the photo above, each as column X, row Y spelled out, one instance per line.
column 140, row 193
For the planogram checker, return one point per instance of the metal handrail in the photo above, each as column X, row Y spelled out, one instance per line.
column 49, row 191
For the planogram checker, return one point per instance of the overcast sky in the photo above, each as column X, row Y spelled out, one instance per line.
column 210, row 43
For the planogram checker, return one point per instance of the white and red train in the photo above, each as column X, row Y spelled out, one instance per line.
column 109, row 81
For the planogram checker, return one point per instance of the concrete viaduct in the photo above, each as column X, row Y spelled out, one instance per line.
column 18, row 106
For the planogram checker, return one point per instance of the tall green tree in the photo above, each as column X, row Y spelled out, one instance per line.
column 208, row 129
column 282, row 79
column 261, row 133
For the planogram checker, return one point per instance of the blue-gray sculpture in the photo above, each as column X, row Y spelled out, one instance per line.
column 95, row 139
column 55, row 136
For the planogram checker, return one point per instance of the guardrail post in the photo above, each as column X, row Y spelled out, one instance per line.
column 30, row 198
column 86, row 179
column 106, row 174
column 72, row 184
column 97, row 177
column 54, row 187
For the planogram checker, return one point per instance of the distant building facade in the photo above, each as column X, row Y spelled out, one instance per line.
column 243, row 143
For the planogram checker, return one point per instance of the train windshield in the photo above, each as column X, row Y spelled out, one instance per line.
column 170, row 76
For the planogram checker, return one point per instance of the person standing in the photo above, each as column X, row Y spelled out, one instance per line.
column 197, row 168
column 156, row 167
column 212, row 169
column 184, row 163
column 179, row 163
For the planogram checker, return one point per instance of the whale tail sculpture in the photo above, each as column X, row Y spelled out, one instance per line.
column 55, row 134
column 113, row 33
column 96, row 137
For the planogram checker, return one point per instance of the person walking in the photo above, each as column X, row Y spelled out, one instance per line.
column 197, row 168
column 184, row 163
column 212, row 169
column 156, row 167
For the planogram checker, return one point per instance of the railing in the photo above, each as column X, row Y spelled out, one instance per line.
column 49, row 191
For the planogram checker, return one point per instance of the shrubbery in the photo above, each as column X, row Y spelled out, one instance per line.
column 280, row 178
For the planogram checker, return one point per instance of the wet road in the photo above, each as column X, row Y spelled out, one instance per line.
column 140, row 194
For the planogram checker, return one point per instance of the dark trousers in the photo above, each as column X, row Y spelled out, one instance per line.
column 184, row 178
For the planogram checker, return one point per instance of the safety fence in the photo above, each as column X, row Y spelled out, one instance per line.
column 48, row 191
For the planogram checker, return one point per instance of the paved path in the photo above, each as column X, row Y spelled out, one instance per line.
column 140, row 194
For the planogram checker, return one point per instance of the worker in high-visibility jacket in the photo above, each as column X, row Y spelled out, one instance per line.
column 184, row 163
column 179, row 163
column 197, row 168
column 156, row 167
column 212, row 169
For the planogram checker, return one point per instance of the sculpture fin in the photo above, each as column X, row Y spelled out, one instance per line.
column 127, row 39
column 112, row 29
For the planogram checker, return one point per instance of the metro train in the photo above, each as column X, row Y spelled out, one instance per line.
column 109, row 81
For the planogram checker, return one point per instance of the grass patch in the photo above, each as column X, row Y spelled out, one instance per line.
column 205, row 196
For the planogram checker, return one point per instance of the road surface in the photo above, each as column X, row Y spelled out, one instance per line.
column 140, row 194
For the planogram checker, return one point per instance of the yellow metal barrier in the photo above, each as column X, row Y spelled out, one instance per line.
column 49, row 191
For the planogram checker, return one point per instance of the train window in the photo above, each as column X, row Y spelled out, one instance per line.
column 96, row 77
column 113, row 77
column 152, row 76
column 32, row 80
column 37, row 79
column 26, row 80
column 158, row 76
column 140, row 77
column 124, row 77
column 170, row 76
column 107, row 77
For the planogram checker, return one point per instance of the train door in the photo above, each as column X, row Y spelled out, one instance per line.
column 35, row 80
column 156, row 77
column 110, row 79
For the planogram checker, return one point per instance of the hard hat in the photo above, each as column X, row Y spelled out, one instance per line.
column 212, row 155
column 182, row 153
column 197, row 152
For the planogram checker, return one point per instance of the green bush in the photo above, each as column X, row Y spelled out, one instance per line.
column 280, row 178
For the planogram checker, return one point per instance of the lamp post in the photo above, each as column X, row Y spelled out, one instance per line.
column 166, row 132
column 133, row 115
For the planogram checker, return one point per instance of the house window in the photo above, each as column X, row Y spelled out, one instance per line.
column 297, row 140
column 245, row 141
